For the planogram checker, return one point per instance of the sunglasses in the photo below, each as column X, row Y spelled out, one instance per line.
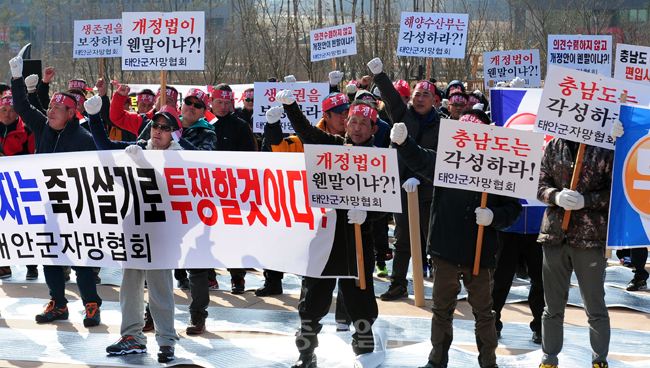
column 164, row 128
column 198, row 105
column 248, row 99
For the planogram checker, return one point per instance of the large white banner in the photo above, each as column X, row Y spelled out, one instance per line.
column 328, row 43
column 632, row 63
column 350, row 177
column 487, row 158
column 504, row 66
column 309, row 97
column 435, row 35
column 581, row 107
column 587, row 53
column 163, row 41
column 164, row 210
column 96, row 38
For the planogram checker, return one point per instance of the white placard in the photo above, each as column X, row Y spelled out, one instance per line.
column 328, row 43
column 95, row 38
column 309, row 97
column 348, row 177
column 504, row 66
column 581, row 107
column 488, row 158
column 587, row 53
column 632, row 63
column 435, row 35
column 163, row 41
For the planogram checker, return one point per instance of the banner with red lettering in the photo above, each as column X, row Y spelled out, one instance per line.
column 332, row 42
column 96, row 38
column 164, row 210
column 587, row 53
column 632, row 63
column 309, row 97
column 504, row 66
column 435, row 35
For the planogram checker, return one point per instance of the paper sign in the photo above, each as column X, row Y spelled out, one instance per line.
column 350, row 177
column 504, row 66
column 581, row 107
column 328, row 43
column 308, row 96
column 436, row 35
column 163, row 41
column 96, row 38
column 632, row 63
column 487, row 158
column 587, row 53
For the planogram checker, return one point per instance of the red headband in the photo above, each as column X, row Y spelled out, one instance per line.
column 363, row 110
column 427, row 86
column 171, row 94
column 471, row 119
column 250, row 94
column 457, row 98
column 455, row 88
column 436, row 97
column 7, row 101
column 200, row 95
column 402, row 88
column 80, row 98
column 355, row 82
column 222, row 93
column 334, row 101
column 144, row 97
column 473, row 100
column 63, row 99
column 76, row 84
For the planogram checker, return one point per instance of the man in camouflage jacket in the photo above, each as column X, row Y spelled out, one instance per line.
column 580, row 248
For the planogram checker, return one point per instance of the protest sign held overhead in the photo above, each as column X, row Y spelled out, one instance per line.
column 308, row 96
column 632, row 63
column 581, row 107
column 504, row 66
column 163, row 41
column 490, row 159
column 435, row 35
column 587, row 53
column 96, row 38
column 350, row 177
column 328, row 43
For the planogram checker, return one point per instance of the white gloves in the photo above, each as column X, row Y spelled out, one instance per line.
column 176, row 135
column 335, row 77
column 399, row 133
column 133, row 150
column 518, row 83
column 285, row 97
column 93, row 105
column 357, row 216
column 410, row 185
column 617, row 129
column 351, row 88
column 484, row 216
column 570, row 200
column 478, row 106
column 444, row 103
column 376, row 66
column 31, row 81
column 16, row 65
column 376, row 92
column 290, row 79
column 478, row 93
column 274, row 114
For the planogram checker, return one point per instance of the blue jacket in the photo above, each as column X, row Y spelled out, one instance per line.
column 529, row 222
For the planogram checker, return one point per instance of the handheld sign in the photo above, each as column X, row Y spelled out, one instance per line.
column 504, row 66
column 332, row 42
column 433, row 35
column 96, row 38
column 308, row 96
column 632, row 63
column 587, row 53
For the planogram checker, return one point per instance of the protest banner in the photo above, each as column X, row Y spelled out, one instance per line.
column 95, row 38
column 308, row 96
column 629, row 212
column 581, row 107
column 632, row 63
column 165, row 210
column 163, row 41
column 237, row 89
column 504, row 66
column 587, row 53
column 433, row 35
column 332, row 42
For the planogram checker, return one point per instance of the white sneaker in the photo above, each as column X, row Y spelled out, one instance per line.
column 342, row 327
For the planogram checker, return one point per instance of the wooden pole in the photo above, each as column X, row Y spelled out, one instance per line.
column 359, row 241
column 574, row 182
column 479, row 239
column 333, row 64
column 101, row 67
column 416, row 247
column 429, row 67
column 163, row 88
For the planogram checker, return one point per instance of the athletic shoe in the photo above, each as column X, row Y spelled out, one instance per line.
column 305, row 361
column 5, row 272
column 165, row 354
column 183, row 284
column 126, row 345
column 342, row 327
column 213, row 285
column 32, row 273
column 148, row 320
column 537, row 337
column 92, row 315
column 382, row 271
column 627, row 262
column 601, row 365
column 395, row 291
column 636, row 285
column 271, row 287
column 52, row 313
column 547, row 366
column 433, row 365
column 197, row 324
column 237, row 285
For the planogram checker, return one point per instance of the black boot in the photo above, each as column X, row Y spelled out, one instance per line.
column 305, row 361
column 271, row 287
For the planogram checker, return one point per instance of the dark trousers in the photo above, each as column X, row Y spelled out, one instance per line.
column 237, row 272
column 380, row 239
column 85, row 282
column 180, row 274
column 639, row 256
column 360, row 305
column 402, row 251
column 514, row 244
column 199, row 291
column 273, row 275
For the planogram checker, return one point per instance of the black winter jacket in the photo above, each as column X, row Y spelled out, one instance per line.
column 234, row 134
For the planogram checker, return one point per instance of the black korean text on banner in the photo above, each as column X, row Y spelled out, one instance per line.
column 581, row 107
column 169, row 209
column 632, row 63
column 163, row 41
column 353, row 177
column 587, row 53
column 309, row 97
column 332, row 42
column 95, row 38
column 504, row 66
column 487, row 158
column 435, row 35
